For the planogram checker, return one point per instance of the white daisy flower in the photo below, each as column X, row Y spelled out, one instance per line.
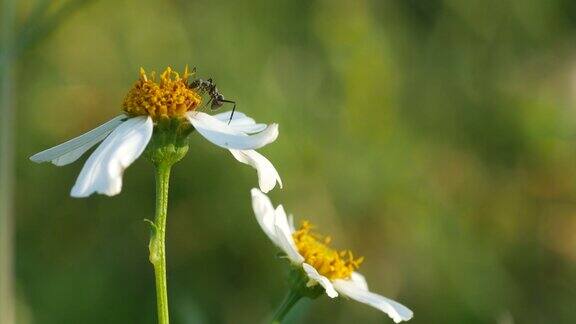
column 334, row 271
column 125, row 137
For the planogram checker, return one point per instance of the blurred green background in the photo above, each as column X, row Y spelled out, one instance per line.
column 435, row 138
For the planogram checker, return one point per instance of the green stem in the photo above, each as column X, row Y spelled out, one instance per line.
column 157, row 241
column 289, row 301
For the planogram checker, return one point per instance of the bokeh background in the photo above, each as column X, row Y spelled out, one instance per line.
column 436, row 138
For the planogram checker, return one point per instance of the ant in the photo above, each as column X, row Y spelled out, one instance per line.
column 216, row 98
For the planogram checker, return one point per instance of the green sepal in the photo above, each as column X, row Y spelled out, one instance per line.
column 169, row 143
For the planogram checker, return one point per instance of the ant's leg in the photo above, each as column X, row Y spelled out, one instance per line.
column 233, row 109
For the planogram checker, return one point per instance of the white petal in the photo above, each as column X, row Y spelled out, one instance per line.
column 71, row 150
column 291, row 223
column 103, row 170
column 223, row 135
column 353, row 290
column 287, row 245
column 225, row 116
column 282, row 219
column 240, row 122
column 284, row 236
column 264, row 212
column 359, row 280
column 267, row 174
column 274, row 224
column 323, row 281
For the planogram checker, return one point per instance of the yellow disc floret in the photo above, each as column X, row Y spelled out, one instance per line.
column 170, row 97
column 316, row 251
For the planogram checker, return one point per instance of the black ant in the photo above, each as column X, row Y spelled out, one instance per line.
column 216, row 98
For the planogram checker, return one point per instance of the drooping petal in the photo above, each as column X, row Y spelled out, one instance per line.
column 240, row 122
column 73, row 149
column 267, row 174
column 223, row 135
column 264, row 212
column 103, row 170
column 323, row 281
column 353, row 290
column 284, row 236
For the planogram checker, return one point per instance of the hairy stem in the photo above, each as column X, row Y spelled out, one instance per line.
column 157, row 241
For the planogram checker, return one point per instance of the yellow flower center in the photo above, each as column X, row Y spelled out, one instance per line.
column 170, row 97
column 316, row 251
